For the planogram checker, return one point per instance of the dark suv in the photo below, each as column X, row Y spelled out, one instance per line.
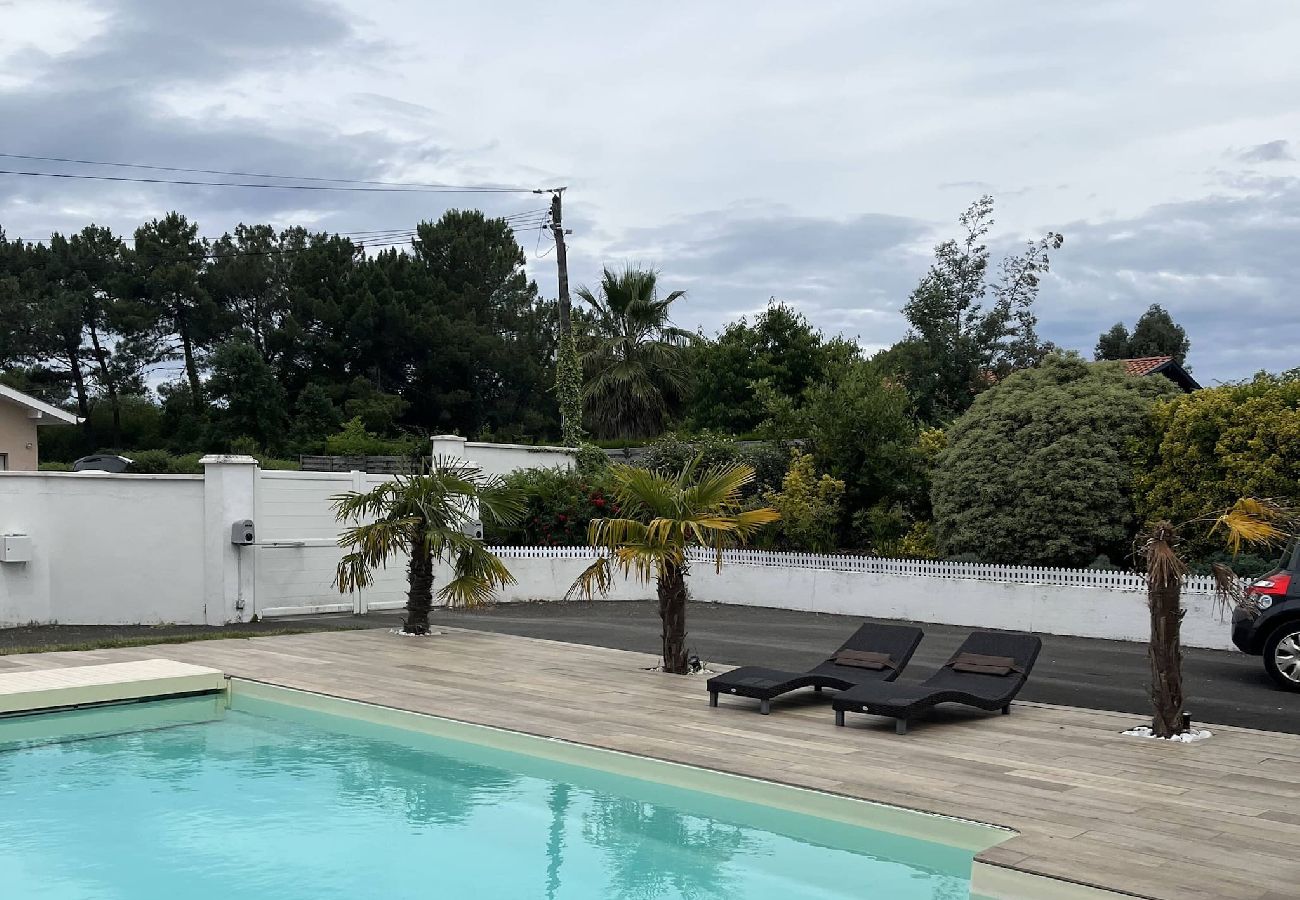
column 1268, row 624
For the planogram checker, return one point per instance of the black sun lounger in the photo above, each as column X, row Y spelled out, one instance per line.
column 874, row 653
column 986, row 672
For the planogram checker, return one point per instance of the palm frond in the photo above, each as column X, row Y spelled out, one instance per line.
column 597, row 578
column 1251, row 521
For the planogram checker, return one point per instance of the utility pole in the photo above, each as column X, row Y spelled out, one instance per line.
column 568, row 370
column 561, row 258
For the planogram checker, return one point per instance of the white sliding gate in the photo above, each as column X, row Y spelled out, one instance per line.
column 297, row 547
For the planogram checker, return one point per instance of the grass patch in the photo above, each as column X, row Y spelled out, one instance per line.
column 146, row 640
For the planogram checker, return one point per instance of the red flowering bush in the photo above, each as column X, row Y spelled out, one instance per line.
column 559, row 505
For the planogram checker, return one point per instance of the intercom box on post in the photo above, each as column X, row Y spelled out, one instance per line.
column 242, row 532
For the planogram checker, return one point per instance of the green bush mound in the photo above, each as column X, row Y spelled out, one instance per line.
column 1041, row 469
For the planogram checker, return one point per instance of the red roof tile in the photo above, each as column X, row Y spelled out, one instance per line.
column 1145, row 365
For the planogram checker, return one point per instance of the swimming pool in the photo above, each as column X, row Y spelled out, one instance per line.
column 269, row 793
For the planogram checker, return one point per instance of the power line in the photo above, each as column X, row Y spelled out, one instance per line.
column 282, row 187
column 238, row 174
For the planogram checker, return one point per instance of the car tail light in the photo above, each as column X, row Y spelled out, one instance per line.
column 1273, row 585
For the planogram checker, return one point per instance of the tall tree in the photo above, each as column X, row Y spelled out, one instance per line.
column 1155, row 334
column 170, row 260
column 496, row 337
column 248, row 277
column 969, row 327
column 635, row 364
column 1113, row 343
column 123, row 342
column 780, row 349
column 250, row 402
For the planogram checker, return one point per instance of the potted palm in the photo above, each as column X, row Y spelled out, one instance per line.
column 423, row 517
column 661, row 517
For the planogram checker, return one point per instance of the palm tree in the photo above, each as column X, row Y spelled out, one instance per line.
column 1246, row 521
column 424, row 516
column 635, row 366
column 662, row 516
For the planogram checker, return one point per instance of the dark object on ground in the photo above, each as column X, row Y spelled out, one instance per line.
column 986, row 672
column 102, row 462
column 874, row 653
column 1268, row 624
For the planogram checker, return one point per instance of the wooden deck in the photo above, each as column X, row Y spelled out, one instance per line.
column 1214, row 820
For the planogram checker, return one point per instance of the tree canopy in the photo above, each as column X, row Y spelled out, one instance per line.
column 970, row 326
column 275, row 336
column 1041, row 469
column 1155, row 334
column 1216, row 445
column 780, row 350
column 634, row 356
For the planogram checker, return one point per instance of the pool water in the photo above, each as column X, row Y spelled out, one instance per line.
column 188, row 800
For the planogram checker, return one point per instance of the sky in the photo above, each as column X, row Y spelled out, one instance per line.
column 813, row 153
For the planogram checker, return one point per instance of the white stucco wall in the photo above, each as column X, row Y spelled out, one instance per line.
column 106, row 549
column 1078, row 610
column 120, row 549
column 501, row 459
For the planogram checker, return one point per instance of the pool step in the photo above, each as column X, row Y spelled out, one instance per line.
column 32, row 690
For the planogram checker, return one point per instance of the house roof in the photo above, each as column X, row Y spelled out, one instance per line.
column 37, row 409
column 1161, row 365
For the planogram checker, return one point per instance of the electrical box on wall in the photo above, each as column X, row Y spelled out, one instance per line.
column 242, row 532
column 472, row 528
column 15, row 548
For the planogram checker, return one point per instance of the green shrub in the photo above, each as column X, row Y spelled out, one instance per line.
column 160, row 462
column 355, row 440
column 671, row 452
column 1219, row 444
column 809, row 508
column 1246, row 565
column 55, row 467
column 1041, row 469
column 591, row 461
column 558, row 503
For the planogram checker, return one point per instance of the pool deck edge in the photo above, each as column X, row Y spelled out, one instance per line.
column 34, row 690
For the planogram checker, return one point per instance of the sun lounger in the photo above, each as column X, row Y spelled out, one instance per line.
column 874, row 653
column 986, row 672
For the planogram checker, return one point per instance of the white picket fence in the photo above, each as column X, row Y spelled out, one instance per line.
column 1109, row 579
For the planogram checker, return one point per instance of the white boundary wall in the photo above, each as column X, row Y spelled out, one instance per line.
column 1079, row 602
column 126, row 549
column 106, row 549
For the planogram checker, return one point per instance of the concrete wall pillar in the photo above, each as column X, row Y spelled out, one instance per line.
column 229, row 576
column 449, row 445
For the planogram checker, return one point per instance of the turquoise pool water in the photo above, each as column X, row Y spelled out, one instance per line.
column 186, row 800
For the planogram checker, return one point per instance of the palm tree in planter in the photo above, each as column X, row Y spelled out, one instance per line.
column 662, row 516
column 423, row 517
column 1248, row 521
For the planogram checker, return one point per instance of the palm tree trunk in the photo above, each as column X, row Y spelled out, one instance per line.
column 419, row 596
column 1166, row 654
column 672, row 612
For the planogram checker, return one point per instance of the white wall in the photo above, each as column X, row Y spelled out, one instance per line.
column 107, row 549
column 119, row 549
column 501, row 459
column 802, row 584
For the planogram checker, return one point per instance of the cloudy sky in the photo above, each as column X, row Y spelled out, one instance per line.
column 812, row 152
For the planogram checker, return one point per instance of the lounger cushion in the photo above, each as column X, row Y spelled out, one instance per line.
column 982, row 664
column 864, row 659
